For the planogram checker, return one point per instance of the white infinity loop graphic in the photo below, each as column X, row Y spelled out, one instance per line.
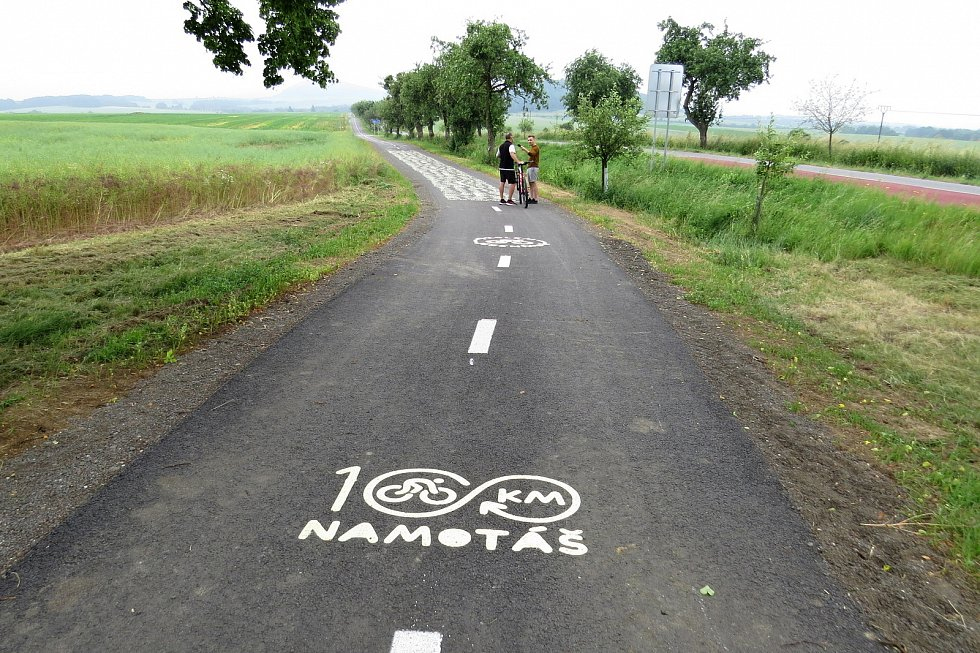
column 430, row 492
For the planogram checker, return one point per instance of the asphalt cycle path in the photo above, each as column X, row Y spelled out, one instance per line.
column 491, row 443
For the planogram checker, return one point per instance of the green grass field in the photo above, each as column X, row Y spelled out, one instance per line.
column 71, row 173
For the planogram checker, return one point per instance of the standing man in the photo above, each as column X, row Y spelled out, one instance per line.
column 533, row 157
column 507, row 154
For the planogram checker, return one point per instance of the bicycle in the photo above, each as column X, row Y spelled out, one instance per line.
column 522, row 191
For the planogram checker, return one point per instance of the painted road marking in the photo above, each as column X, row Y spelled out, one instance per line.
column 504, row 262
column 508, row 229
column 509, row 241
column 416, row 641
column 454, row 184
column 496, row 208
column 480, row 344
column 421, row 493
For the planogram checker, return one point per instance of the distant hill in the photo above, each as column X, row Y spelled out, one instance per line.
column 302, row 97
column 553, row 90
column 78, row 101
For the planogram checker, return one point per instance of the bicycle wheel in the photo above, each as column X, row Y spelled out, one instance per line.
column 522, row 188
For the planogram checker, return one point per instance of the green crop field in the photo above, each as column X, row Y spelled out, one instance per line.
column 71, row 173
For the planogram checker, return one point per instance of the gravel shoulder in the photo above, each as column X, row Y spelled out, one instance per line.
column 921, row 605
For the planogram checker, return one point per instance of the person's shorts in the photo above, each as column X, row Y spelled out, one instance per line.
column 532, row 175
column 508, row 176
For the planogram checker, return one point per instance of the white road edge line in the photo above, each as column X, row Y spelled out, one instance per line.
column 504, row 262
column 480, row 344
column 416, row 641
column 508, row 229
column 496, row 208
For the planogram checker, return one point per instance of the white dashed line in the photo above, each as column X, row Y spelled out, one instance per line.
column 504, row 262
column 496, row 208
column 416, row 641
column 480, row 344
column 508, row 229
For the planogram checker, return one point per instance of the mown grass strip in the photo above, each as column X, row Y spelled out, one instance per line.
column 90, row 307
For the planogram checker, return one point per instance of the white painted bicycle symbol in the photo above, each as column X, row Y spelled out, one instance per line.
column 422, row 488
column 422, row 494
column 509, row 241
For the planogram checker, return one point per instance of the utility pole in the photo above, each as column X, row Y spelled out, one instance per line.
column 884, row 109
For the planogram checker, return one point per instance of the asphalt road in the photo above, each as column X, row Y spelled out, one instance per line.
column 943, row 192
column 492, row 443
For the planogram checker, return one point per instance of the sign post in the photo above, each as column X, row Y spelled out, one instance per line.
column 666, row 83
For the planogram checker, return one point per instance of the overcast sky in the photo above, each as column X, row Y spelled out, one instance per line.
column 915, row 56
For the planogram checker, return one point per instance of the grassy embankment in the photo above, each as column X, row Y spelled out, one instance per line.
column 866, row 304
column 210, row 217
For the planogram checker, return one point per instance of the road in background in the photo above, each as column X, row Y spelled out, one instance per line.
column 942, row 192
column 492, row 443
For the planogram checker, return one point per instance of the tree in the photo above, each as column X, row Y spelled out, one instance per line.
column 456, row 96
column 526, row 125
column 367, row 111
column 488, row 61
column 773, row 160
column 392, row 110
column 297, row 36
column 419, row 97
column 832, row 105
column 613, row 128
column 716, row 68
column 592, row 77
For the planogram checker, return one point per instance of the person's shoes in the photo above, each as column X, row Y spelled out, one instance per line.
column 502, row 201
column 511, row 202
column 532, row 201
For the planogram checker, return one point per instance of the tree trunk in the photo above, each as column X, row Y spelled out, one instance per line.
column 830, row 145
column 703, row 133
column 605, row 176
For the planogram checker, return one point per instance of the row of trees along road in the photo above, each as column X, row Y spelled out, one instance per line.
column 473, row 81
column 469, row 86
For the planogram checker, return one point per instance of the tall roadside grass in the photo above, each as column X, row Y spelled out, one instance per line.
column 75, row 314
column 827, row 220
column 77, row 173
column 940, row 158
column 902, row 158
